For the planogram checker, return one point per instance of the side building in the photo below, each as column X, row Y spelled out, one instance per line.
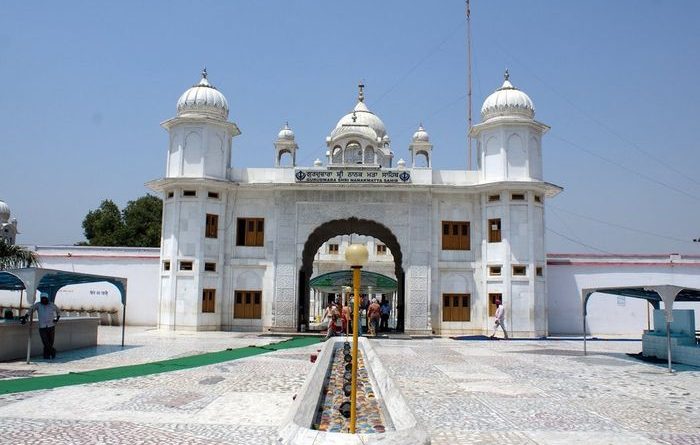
column 239, row 244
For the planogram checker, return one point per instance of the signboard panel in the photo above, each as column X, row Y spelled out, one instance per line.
column 352, row 176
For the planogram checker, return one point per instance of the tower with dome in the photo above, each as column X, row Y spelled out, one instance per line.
column 8, row 227
column 246, row 248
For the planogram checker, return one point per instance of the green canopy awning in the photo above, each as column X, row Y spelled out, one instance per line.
column 370, row 282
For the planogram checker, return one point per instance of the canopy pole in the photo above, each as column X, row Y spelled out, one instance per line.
column 668, row 345
column 584, row 334
column 29, row 337
column 123, row 322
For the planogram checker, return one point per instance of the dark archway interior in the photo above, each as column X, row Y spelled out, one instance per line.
column 337, row 227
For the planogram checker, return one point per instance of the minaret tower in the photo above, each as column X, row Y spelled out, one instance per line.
column 194, row 210
column 421, row 146
column 285, row 144
column 509, row 166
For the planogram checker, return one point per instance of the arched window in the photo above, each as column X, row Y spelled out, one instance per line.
column 337, row 157
column 353, row 153
column 422, row 160
column 285, row 158
column 369, row 155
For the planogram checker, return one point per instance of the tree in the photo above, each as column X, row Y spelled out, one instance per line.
column 16, row 257
column 142, row 222
column 138, row 225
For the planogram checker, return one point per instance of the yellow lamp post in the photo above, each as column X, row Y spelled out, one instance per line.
column 356, row 256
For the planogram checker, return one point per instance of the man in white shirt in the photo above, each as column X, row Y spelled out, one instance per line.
column 500, row 320
column 47, row 323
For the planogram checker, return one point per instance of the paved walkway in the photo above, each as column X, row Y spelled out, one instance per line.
column 531, row 392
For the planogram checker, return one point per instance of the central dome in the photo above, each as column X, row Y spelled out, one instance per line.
column 361, row 117
column 203, row 98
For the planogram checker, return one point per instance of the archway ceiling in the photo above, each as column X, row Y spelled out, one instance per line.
column 370, row 282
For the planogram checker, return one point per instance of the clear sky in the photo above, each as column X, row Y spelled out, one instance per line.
column 86, row 85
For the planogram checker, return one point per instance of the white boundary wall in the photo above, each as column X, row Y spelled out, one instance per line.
column 139, row 265
column 567, row 274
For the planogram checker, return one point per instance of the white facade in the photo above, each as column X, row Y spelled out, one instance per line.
column 567, row 274
column 291, row 211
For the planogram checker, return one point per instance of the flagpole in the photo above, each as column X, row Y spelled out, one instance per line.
column 469, row 82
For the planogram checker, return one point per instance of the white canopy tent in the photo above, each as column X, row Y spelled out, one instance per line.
column 654, row 294
column 50, row 281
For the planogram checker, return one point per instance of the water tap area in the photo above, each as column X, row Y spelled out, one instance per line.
column 333, row 408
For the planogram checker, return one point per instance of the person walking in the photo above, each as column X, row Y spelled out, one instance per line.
column 500, row 320
column 373, row 313
column 47, row 323
column 384, row 311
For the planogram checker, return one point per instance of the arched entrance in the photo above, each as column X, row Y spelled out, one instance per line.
column 337, row 227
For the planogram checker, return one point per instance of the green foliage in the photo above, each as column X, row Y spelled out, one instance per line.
column 16, row 257
column 138, row 225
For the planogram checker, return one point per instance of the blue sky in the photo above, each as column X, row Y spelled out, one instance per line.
column 86, row 85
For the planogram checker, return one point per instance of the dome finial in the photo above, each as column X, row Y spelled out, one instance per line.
column 204, row 73
column 506, row 75
column 354, row 116
column 361, row 93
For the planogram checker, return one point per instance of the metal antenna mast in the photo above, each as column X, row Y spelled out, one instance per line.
column 469, row 82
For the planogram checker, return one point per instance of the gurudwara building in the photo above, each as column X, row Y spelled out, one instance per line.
column 241, row 246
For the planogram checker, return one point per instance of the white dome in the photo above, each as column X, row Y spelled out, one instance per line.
column 286, row 133
column 421, row 135
column 361, row 117
column 507, row 101
column 4, row 212
column 203, row 98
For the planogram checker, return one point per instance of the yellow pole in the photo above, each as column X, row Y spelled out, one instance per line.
column 355, row 327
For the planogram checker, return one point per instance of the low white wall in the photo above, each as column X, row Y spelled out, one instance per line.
column 567, row 274
column 139, row 265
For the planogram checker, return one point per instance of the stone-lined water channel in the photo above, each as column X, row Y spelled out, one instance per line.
column 371, row 417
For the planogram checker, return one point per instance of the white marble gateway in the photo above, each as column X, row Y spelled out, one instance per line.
column 239, row 244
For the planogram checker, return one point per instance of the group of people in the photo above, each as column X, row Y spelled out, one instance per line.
column 374, row 314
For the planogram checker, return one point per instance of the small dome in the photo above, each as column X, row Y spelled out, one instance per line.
column 318, row 163
column 4, row 212
column 286, row 133
column 421, row 135
column 507, row 101
column 401, row 163
column 203, row 98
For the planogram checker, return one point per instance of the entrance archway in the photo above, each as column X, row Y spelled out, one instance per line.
column 348, row 226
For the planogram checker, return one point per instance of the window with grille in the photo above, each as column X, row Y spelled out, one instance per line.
column 189, row 193
column 539, row 271
column 213, row 195
column 456, row 307
column 494, row 198
column 251, row 232
column 170, row 195
column 495, row 271
column 455, row 235
column 495, row 230
column 185, row 265
column 210, row 267
column 381, row 249
column 247, row 304
column 208, row 300
column 492, row 303
column 538, row 198
column 212, row 227
column 517, row 197
column 333, row 249
column 166, row 265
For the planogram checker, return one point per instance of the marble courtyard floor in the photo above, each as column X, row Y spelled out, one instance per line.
column 464, row 392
